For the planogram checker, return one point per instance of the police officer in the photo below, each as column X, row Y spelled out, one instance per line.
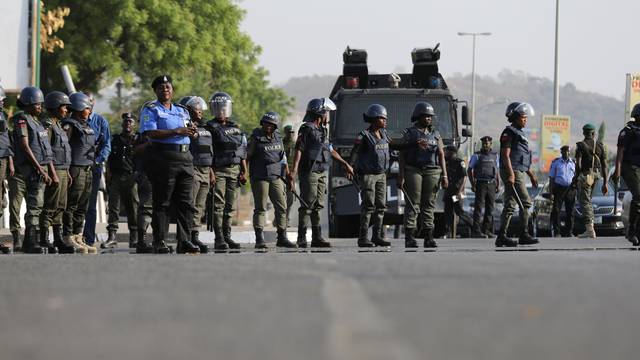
column 169, row 127
column 289, row 143
column 453, row 195
column 268, row 168
column 515, row 163
column 229, row 167
column 370, row 159
column 122, row 185
column 55, row 194
column 141, row 155
column 422, row 166
column 485, row 183
column 591, row 165
column 312, row 161
column 33, row 164
column 6, row 161
column 561, row 187
column 202, row 151
column 628, row 165
column 82, row 139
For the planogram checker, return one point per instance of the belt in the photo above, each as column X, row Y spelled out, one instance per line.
column 485, row 181
column 83, row 167
column 171, row 147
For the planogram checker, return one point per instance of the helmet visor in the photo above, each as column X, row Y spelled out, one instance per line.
column 524, row 109
column 197, row 103
column 328, row 105
column 221, row 107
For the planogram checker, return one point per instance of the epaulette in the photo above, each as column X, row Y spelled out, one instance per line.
column 149, row 104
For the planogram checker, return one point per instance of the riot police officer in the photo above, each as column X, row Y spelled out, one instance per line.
column 229, row 167
column 289, row 143
column 33, row 164
column 370, row 159
column 453, row 195
column 122, row 187
column 6, row 160
column 515, row 163
column 141, row 152
column 485, row 183
column 628, row 165
column 55, row 194
column 312, row 161
column 423, row 167
column 202, row 151
column 268, row 168
column 168, row 127
column 82, row 139
column 591, row 165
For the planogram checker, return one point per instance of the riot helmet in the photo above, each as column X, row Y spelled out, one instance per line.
column 184, row 100
column 635, row 113
column 320, row 106
column 271, row 117
column 80, row 101
column 375, row 111
column 221, row 105
column 517, row 109
column 55, row 99
column 31, row 95
column 422, row 108
column 196, row 103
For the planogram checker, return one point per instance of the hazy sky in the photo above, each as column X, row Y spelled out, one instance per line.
column 302, row 37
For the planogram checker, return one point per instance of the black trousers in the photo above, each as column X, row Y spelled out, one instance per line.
column 171, row 177
column 451, row 209
column 563, row 195
column 485, row 200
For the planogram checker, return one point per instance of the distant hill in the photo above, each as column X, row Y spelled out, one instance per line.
column 494, row 93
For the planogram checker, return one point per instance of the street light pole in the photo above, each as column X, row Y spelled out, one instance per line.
column 556, row 83
column 473, row 87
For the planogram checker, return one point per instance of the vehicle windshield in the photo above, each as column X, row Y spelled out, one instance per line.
column 348, row 121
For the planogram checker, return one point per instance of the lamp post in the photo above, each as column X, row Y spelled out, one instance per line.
column 473, row 85
column 556, row 83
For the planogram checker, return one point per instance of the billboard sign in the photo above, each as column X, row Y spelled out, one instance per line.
column 556, row 132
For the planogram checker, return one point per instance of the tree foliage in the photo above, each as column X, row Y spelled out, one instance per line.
column 199, row 43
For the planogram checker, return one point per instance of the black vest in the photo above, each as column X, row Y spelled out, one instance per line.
column 38, row 141
column 315, row 156
column 373, row 153
column 83, row 142
column 632, row 144
column 5, row 141
column 485, row 166
column 121, row 157
column 455, row 174
column 520, row 154
column 60, row 148
column 418, row 157
column 202, row 147
column 267, row 161
column 229, row 143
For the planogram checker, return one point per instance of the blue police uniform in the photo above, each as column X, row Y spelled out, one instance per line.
column 171, row 171
column 561, row 173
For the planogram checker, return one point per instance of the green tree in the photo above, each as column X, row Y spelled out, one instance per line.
column 199, row 43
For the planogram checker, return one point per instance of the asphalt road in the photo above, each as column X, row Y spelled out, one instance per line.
column 565, row 299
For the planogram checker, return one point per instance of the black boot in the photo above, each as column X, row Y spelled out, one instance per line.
column 409, row 240
column 44, row 242
column 195, row 239
column 111, row 241
column 316, row 238
column 378, row 238
column 17, row 241
column 133, row 237
column 159, row 247
column 30, row 244
column 282, row 240
column 260, row 244
column 226, row 231
column 502, row 239
column 365, row 243
column 526, row 239
column 185, row 246
column 428, row 239
column 219, row 243
column 302, row 237
column 59, row 243
column 142, row 246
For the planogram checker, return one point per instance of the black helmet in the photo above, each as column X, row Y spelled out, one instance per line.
column 635, row 113
column 375, row 111
column 79, row 101
column 271, row 117
column 422, row 108
column 320, row 106
column 55, row 99
column 221, row 104
column 31, row 95
column 518, row 108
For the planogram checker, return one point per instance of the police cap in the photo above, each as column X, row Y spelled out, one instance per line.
column 589, row 127
column 128, row 116
column 486, row 138
column 565, row 148
column 161, row 80
column 288, row 129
